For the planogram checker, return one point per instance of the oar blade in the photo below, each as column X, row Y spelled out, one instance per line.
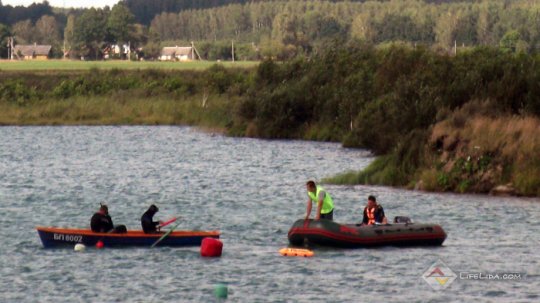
column 164, row 235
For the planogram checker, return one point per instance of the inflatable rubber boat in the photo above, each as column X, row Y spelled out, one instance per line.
column 329, row 233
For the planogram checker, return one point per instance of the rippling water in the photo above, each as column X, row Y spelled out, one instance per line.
column 250, row 190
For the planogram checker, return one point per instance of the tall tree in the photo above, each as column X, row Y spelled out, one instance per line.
column 120, row 23
column 89, row 32
column 4, row 34
column 47, row 30
column 511, row 42
column 69, row 35
column 23, row 32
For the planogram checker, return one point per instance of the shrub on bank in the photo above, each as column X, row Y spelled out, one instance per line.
column 390, row 100
column 24, row 87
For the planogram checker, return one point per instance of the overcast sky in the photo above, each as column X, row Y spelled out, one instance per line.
column 61, row 3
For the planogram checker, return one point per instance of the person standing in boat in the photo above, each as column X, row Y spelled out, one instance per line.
column 323, row 200
column 373, row 213
column 101, row 222
column 148, row 225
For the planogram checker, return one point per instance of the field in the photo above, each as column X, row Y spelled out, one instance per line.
column 6, row 65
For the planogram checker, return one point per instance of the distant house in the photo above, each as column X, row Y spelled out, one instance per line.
column 176, row 53
column 31, row 52
column 116, row 50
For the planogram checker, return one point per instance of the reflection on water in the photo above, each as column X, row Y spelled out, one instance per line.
column 251, row 190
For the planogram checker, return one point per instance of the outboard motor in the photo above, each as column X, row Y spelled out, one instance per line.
column 402, row 219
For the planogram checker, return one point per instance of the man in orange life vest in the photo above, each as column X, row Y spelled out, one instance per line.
column 373, row 213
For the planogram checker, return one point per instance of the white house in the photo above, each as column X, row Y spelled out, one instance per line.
column 176, row 53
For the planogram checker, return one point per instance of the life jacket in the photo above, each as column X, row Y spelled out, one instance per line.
column 328, row 204
column 371, row 215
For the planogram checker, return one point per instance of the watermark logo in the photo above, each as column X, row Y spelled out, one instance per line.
column 439, row 276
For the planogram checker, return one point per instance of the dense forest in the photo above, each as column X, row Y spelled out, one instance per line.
column 144, row 12
column 277, row 29
column 10, row 15
column 286, row 28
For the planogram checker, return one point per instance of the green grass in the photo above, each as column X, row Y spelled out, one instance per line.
column 382, row 171
column 122, row 110
column 6, row 65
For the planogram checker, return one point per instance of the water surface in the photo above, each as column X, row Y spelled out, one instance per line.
column 252, row 191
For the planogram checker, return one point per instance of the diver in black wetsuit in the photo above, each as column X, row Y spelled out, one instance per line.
column 148, row 225
column 101, row 222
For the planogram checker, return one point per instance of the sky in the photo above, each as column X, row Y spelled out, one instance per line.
column 61, row 3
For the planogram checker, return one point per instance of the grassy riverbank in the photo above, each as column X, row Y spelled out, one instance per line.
column 121, row 110
column 123, row 97
column 464, row 153
column 59, row 65
column 437, row 122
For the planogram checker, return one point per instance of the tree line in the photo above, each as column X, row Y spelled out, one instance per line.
column 288, row 28
column 375, row 97
column 144, row 11
column 277, row 29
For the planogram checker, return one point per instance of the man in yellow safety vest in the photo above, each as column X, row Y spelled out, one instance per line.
column 325, row 205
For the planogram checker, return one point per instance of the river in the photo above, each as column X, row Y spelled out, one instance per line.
column 252, row 191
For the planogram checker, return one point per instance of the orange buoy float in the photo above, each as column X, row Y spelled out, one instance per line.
column 296, row 252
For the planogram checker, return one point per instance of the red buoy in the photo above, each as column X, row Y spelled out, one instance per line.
column 211, row 247
column 99, row 244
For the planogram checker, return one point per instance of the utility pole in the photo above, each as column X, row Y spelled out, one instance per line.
column 12, row 48
column 196, row 51
column 192, row 50
column 232, row 43
column 9, row 47
column 455, row 47
column 64, row 48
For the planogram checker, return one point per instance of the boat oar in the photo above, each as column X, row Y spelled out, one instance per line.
column 165, row 235
column 167, row 222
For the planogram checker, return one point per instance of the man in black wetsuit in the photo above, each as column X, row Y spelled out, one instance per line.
column 101, row 222
column 148, row 225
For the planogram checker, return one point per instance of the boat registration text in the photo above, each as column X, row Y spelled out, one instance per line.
column 67, row 238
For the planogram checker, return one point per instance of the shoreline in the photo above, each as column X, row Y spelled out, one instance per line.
column 460, row 138
column 213, row 130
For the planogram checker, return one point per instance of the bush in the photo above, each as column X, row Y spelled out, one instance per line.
column 218, row 78
column 15, row 91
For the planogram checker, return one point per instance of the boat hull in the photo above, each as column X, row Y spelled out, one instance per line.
column 329, row 233
column 58, row 237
